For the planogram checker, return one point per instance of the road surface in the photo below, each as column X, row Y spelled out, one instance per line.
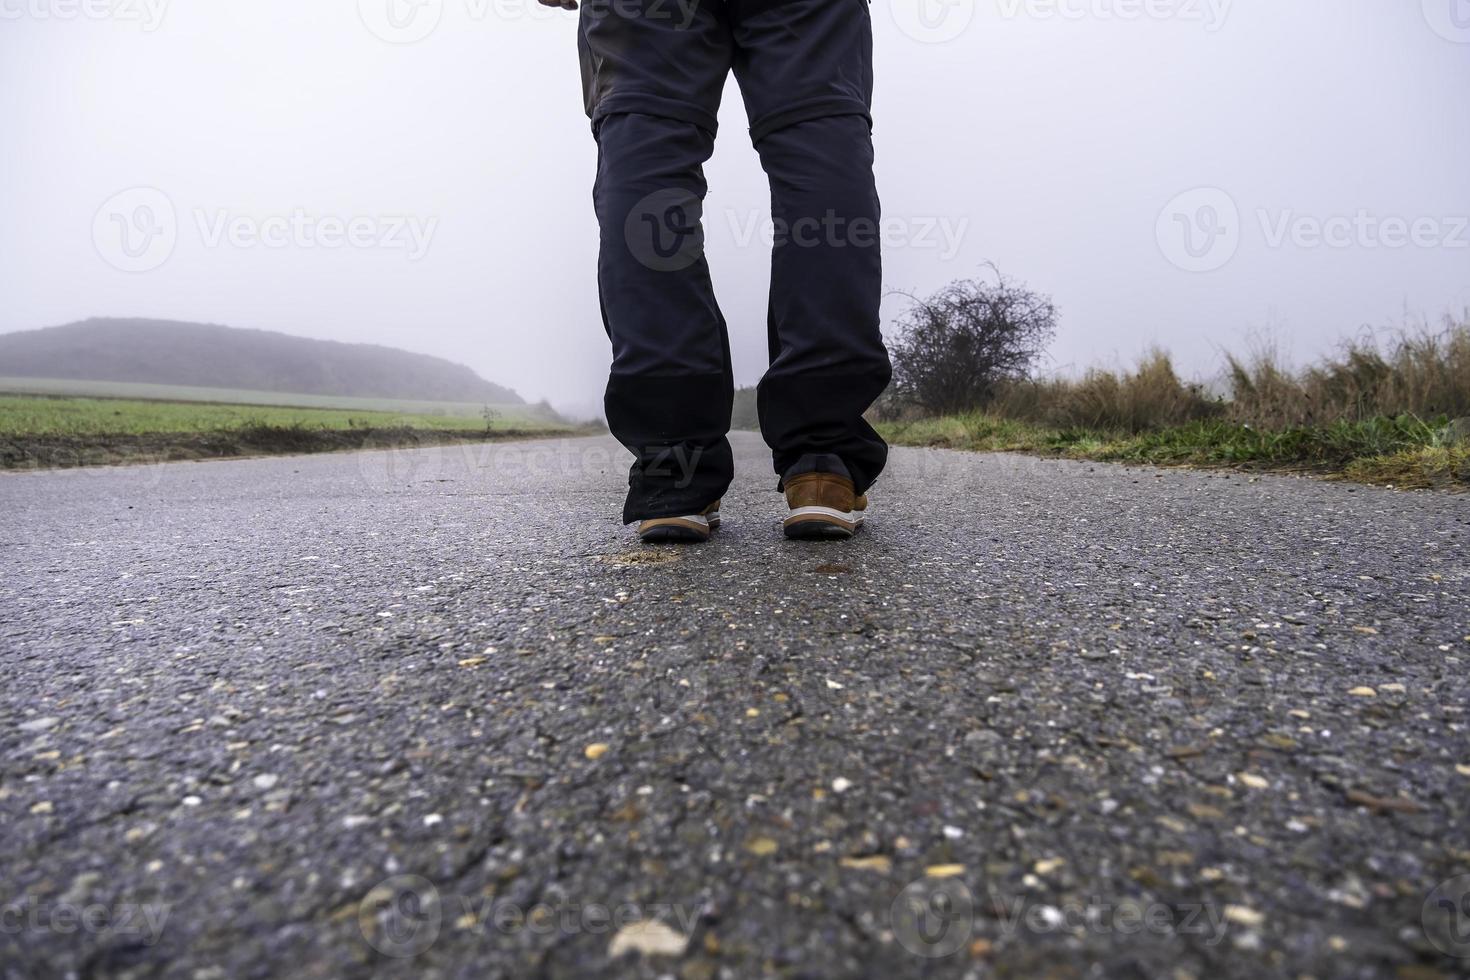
column 434, row 714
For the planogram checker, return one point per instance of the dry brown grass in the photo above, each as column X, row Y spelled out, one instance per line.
column 1423, row 372
column 1148, row 397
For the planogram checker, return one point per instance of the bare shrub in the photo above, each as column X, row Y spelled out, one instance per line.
column 955, row 347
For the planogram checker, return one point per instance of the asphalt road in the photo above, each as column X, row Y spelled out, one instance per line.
column 434, row 714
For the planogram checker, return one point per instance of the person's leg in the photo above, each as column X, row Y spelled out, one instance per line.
column 653, row 73
column 828, row 362
column 669, row 393
column 805, row 69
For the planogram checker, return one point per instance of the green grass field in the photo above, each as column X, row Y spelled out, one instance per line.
column 241, row 396
column 40, row 431
column 22, row 415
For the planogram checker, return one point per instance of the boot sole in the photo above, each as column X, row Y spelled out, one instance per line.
column 822, row 524
column 677, row 530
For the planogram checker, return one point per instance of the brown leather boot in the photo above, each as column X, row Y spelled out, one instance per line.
column 691, row 528
column 823, row 505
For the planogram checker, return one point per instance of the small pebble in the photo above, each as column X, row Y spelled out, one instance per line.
column 1243, row 915
column 647, row 938
column 762, row 847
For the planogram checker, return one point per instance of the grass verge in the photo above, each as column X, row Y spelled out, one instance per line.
column 1404, row 452
column 41, row 432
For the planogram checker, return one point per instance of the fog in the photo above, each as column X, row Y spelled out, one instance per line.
column 1191, row 173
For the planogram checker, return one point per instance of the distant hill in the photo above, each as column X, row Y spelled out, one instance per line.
column 207, row 355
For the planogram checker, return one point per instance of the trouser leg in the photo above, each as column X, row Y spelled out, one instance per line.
column 670, row 390
column 828, row 362
column 806, row 73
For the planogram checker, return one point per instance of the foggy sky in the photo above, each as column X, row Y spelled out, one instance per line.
column 1315, row 152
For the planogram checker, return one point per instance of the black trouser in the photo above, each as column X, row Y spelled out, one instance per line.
column 653, row 72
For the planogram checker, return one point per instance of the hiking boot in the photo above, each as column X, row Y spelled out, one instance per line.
column 823, row 500
column 689, row 529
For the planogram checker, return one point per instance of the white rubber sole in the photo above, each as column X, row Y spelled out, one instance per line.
column 690, row 527
column 822, row 522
